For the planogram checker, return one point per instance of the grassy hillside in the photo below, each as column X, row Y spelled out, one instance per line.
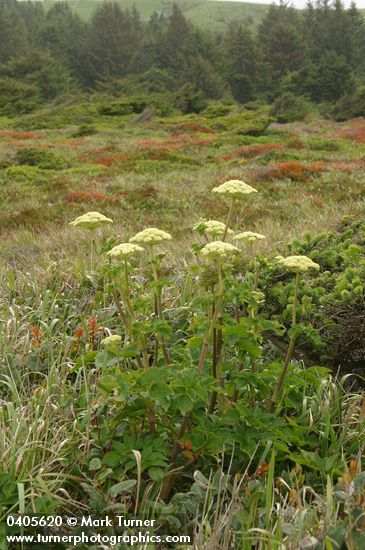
column 211, row 14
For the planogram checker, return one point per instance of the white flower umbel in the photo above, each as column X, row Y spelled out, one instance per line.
column 125, row 250
column 91, row 220
column 233, row 189
column 249, row 237
column 213, row 228
column 297, row 264
column 218, row 250
column 112, row 342
column 151, row 236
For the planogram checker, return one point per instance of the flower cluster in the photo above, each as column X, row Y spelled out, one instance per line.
column 91, row 220
column 213, row 228
column 151, row 236
column 112, row 342
column 125, row 250
column 249, row 237
column 234, row 189
column 298, row 264
column 218, row 249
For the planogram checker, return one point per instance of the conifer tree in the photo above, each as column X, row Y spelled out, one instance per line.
column 242, row 63
column 13, row 32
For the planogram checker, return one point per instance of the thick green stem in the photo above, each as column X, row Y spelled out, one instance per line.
column 155, row 353
column 126, row 277
column 217, row 354
column 235, row 391
column 228, row 221
column 169, row 481
column 157, row 296
column 151, row 409
column 152, row 420
column 257, row 275
column 209, row 334
column 126, row 291
column 290, row 350
column 124, row 318
column 120, row 310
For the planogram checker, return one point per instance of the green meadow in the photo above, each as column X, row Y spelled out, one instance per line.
column 210, row 14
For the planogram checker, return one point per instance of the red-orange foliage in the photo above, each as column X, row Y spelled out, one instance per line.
column 172, row 142
column 254, row 150
column 107, row 161
column 92, row 324
column 347, row 166
column 27, row 144
column 354, row 130
column 71, row 143
column 35, row 336
column 102, row 158
column 20, row 135
column 294, row 170
column 250, row 151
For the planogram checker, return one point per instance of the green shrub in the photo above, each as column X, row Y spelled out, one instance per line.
column 322, row 144
column 243, row 122
column 85, row 130
column 60, row 114
column 42, row 158
column 289, row 108
column 135, row 104
column 350, row 106
column 190, row 100
column 217, row 110
column 23, row 173
column 117, row 108
column 334, row 306
column 17, row 97
column 153, row 81
column 40, row 69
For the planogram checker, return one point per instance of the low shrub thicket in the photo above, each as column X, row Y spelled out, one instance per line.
column 289, row 108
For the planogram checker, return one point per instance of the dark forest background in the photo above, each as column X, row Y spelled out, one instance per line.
column 312, row 57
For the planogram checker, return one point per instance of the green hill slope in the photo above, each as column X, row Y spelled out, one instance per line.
column 210, row 14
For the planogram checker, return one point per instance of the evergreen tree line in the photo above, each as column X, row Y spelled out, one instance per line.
column 318, row 53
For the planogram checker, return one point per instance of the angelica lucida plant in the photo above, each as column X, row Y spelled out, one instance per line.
column 297, row 265
column 124, row 253
column 211, row 229
column 91, row 221
column 152, row 237
column 233, row 190
column 112, row 343
column 216, row 252
column 250, row 238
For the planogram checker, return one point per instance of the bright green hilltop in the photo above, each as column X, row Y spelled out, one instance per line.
column 210, row 14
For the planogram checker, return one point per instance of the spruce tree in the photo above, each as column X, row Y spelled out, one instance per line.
column 242, row 63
